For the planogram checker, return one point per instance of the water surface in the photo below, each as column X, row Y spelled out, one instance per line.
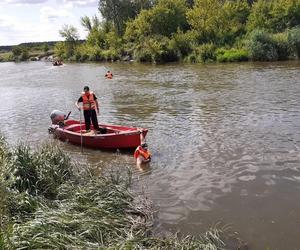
column 225, row 138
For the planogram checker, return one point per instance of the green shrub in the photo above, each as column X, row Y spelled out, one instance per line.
column 24, row 56
column 274, row 15
column 202, row 53
column 17, row 51
column 156, row 50
column 95, row 55
column 110, row 54
column 81, row 53
column 60, row 50
column 182, row 43
column 54, row 169
column 191, row 58
column 294, row 40
column 142, row 55
column 37, row 172
column 23, row 168
column 282, row 46
column 232, row 55
column 207, row 52
column 261, row 46
column 161, row 50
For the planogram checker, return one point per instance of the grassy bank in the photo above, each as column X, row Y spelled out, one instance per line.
column 48, row 202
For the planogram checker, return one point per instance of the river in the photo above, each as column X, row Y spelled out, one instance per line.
column 225, row 138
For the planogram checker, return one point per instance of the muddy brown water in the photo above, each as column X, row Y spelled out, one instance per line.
column 225, row 138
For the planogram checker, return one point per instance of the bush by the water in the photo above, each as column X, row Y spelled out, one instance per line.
column 294, row 40
column 261, row 46
column 48, row 203
column 232, row 55
column 202, row 53
column 264, row 46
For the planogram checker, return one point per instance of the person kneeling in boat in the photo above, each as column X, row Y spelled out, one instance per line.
column 109, row 75
column 90, row 106
column 142, row 154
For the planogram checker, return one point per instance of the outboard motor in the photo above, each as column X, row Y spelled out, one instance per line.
column 57, row 117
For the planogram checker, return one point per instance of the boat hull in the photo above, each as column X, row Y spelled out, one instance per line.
column 117, row 137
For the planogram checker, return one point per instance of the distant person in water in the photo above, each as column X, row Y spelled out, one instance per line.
column 109, row 75
column 142, row 155
column 89, row 105
column 57, row 63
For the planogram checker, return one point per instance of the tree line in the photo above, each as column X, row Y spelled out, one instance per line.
column 26, row 51
column 186, row 30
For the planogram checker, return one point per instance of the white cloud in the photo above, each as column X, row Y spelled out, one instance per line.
column 6, row 23
column 13, row 31
column 51, row 14
column 23, row 1
column 83, row 3
column 29, row 20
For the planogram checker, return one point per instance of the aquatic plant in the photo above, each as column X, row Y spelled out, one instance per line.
column 38, row 172
column 48, row 203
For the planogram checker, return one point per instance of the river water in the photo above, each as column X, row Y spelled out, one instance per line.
column 225, row 138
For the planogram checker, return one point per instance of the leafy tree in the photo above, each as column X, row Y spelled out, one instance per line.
column 262, row 47
column 101, row 35
column 205, row 18
column 190, row 3
column 294, row 40
column 20, row 53
column 139, row 28
column 60, row 50
column 234, row 16
column 17, row 50
column 24, row 55
column 112, row 40
column 70, row 34
column 164, row 19
column 90, row 23
column 120, row 11
column 140, row 5
column 260, row 15
column 183, row 43
column 96, row 29
column 86, row 23
column 217, row 21
column 285, row 14
column 192, row 30
column 45, row 47
column 168, row 16
column 274, row 15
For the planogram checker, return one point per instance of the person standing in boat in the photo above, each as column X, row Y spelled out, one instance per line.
column 89, row 105
column 142, row 154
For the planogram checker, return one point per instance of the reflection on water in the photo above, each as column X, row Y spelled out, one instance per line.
column 225, row 137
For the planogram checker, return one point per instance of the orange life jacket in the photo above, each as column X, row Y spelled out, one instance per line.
column 88, row 101
column 109, row 75
column 143, row 152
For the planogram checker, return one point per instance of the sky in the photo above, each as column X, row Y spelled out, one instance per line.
column 40, row 20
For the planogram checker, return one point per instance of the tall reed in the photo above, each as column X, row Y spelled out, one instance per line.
column 48, row 205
